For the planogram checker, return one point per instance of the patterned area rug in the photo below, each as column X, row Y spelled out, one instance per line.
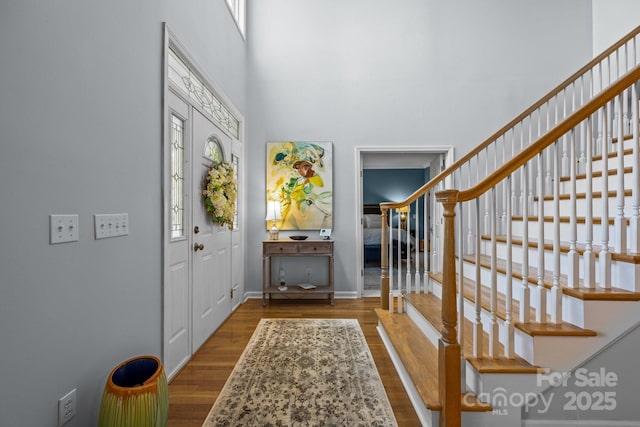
column 304, row 372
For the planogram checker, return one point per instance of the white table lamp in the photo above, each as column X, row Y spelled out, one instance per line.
column 273, row 214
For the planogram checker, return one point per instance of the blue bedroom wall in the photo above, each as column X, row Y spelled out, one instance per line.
column 392, row 185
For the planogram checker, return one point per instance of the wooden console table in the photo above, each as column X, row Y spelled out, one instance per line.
column 295, row 248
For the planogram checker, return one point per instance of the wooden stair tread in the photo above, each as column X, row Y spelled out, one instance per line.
column 471, row 403
column 565, row 219
column 581, row 292
column 595, row 195
column 501, row 365
column 596, row 174
column 469, row 294
column 563, row 329
column 554, row 329
column 430, row 307
column 602, row 294
column 420, row 358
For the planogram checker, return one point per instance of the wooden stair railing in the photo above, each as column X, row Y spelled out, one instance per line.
column 450, row 198
column 513, row 150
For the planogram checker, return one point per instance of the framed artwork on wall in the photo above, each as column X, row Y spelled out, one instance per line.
column 300, row 178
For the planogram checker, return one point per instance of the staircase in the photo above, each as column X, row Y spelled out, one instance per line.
column 523, row 311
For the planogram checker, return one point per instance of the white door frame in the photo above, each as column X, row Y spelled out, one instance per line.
column 360, row 152
column 172, row 42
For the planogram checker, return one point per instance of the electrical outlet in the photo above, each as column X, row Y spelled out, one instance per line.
column 66, row 407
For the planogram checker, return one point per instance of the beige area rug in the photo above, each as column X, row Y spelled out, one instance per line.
column 304, row 372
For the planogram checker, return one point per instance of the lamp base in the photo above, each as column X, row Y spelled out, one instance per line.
column 274, row 233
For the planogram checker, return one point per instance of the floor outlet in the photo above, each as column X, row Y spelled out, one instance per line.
column 66, row 407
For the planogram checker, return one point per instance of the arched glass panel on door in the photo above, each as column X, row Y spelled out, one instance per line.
column 213, row 149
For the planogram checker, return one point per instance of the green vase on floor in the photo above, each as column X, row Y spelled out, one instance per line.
column 136, row 394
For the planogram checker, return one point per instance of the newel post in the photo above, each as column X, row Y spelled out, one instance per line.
column 384, row 263
column 449, row 375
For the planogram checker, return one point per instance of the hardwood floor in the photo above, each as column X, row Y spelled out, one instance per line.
column 195, row 388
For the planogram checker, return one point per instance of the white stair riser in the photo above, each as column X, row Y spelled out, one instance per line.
column 624, row 275
column 564, row 207
column 581, row 187
column 563, row 353
column 565, row 231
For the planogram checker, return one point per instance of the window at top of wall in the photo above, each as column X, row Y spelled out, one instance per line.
column 237, row 9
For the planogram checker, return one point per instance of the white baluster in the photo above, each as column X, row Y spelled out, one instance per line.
column 565, row 149
column 548, row 184
column 470, row 235
column 589, row 259
column 556, row 292
column 487, row 202
column 416, row 244
column 541, row 310
column 426, row 280
column 504, row 194
column 573, row 259
column 399, row 261
column 477, row 322
column 407, row 240
column 494, row 333
column 582, row 141
column 620, row 222
column 509, row 350
column 634, row 244
column 460, row 293
column 604, row 257
column 525, row 300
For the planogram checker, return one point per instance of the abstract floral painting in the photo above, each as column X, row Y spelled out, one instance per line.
column 300, row 177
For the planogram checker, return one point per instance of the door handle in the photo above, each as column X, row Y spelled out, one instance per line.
column 198, row 247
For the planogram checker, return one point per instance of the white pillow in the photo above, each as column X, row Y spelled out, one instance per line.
column 372, row 221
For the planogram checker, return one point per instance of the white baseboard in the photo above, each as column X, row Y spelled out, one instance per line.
column 338, row 295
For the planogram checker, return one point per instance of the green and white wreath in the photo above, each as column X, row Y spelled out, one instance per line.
column 219, row 192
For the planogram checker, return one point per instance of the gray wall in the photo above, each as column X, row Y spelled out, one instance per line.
column 612, row 19
column 384, row 73
column 80, row 114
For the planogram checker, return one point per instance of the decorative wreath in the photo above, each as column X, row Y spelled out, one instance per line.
column 219, row 193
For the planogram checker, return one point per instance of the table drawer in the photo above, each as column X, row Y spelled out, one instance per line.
column 315, row 248
column 283, row 248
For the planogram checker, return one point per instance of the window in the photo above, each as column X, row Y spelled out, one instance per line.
column 237, row 11
column 183, row 78
column 177, row 178
column 235, row 162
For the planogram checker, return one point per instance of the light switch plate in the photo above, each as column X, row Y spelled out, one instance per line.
column 63, row 228
column 111, row 225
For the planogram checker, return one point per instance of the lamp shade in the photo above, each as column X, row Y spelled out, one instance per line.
column 273, row 210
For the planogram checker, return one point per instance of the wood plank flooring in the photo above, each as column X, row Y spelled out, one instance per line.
column 195, row 388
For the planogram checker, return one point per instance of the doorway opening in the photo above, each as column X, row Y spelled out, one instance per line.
column 406, row 165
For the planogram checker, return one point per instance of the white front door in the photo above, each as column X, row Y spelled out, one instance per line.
column 198, row 280
column 211, row 242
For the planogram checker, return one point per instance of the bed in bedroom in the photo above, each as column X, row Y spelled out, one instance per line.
column 372, row 236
